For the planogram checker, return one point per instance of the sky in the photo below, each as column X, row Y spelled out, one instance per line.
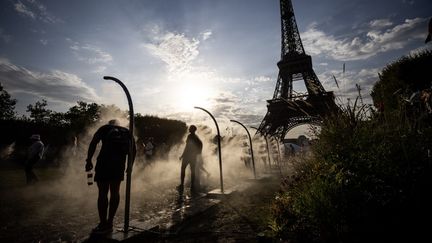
column 176, row 54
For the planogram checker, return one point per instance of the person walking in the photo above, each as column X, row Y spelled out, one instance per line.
column 109, row 170
column 34, row 154
column 189, row 157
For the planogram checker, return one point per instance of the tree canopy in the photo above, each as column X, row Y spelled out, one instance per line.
column 7, row 105
column 402, row 78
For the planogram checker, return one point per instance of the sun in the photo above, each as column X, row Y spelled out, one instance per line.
column 193, row 94
column 191, row 88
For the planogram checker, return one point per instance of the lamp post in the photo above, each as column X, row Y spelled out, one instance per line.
column 250, row 143
column 268, row 148
column 130, row 155
column 219, row 146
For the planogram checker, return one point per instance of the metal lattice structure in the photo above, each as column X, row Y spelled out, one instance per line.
column 288, row 109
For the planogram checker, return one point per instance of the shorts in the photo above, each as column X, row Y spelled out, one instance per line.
column 109, row 171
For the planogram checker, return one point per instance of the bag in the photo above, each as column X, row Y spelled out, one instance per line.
column 118, row 138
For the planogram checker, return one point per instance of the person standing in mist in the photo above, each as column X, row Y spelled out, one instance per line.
column 189, row 157
column 34, row 154
column 149, row 148
column 109, row 170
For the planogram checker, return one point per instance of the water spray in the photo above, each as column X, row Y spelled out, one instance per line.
column 219, row 146
column 250, row 143
column 268, row 148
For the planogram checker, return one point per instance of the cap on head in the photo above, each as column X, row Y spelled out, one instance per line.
column 192, row 128
column 35, row 137
column 114, row 122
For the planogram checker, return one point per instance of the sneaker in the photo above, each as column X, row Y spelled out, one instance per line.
column 103, row 229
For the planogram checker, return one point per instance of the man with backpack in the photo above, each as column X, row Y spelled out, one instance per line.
column 109, row 170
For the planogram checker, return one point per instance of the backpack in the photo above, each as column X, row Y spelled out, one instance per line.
column 118, row 138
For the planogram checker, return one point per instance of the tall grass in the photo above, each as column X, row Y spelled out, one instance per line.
column 367, row 178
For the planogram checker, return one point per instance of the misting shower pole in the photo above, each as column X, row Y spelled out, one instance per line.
column 219, row 146
column 130, row 155
column 268, row 148
column 250, row 143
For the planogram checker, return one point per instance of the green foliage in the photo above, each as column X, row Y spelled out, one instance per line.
column 369, row 173
column 7, row 105
column 162, row 130
column 50, row 125
column 82, row 115
column 38, row 112
column 57, row 119
column 401, row 78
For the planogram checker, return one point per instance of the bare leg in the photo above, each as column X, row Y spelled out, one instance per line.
column 102, row 202
column 182, row 173
column 114, row 200
column 192, row 168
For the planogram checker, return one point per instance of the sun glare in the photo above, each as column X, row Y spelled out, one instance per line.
column 192, row 89
column 193, row 94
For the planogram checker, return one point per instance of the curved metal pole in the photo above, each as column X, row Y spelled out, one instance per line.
column 130, row 155
column 250, row 143
column 268, row 148
column 219, row 146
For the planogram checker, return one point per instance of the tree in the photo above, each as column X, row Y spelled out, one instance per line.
column 39, row 112
column 400, row 79
column 82, row 115
column 7, row 105
column 57, row 119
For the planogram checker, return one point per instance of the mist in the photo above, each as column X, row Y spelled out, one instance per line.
column 63, row 202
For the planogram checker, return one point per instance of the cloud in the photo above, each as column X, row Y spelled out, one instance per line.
column 262, row 79
column 410, row 2
column 176, row 50
column 366, row 44
column 380, row 23
column 99, row 69
column 5, row 37
column 90, row 54
column 197, row 84
column 248, row 106
column 36, row 11
column 205, row 35
column 54, row 85
column 366, row 78
column 23, row 10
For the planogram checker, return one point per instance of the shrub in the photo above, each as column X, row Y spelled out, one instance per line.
column 365, row 177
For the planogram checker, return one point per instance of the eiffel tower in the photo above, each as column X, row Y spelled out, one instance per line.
column 289, row 108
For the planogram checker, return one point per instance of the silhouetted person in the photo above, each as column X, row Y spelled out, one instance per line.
column 34, row 154
column 246, row 155
column 429, row 37
column 109, row 170
column 149, row 150
column 192, row 149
